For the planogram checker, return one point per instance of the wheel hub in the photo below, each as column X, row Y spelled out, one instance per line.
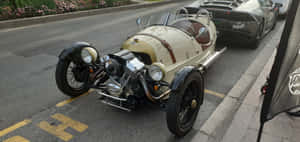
column 79, row 74
column 194, row 104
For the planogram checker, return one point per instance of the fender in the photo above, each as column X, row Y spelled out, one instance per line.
column 180, row 78
column 69, row 53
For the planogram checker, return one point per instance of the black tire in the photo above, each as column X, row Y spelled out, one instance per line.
column 63, row 84
column 275, row 21
column 294, row 112
column 194, row 83
column 254, row 43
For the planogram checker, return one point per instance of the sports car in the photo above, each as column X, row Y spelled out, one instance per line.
column 242, row 20
column 163, row 64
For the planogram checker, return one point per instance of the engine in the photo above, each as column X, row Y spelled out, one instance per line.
column 122, row 69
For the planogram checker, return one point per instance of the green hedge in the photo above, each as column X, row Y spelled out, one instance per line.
column 4, row 3
column 38, row 3
column 28, row 3
column 34, row 3
column 10, row 9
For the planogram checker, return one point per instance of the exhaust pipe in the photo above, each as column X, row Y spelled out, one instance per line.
column 212, row 59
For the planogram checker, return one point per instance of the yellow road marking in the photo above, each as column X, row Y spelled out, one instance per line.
column 60, row 104
column 59, row 130
column 214, row 93
column 16, row 139
column 14, row 127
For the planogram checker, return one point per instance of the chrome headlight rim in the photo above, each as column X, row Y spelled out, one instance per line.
column 88, row 55
column 155, row 73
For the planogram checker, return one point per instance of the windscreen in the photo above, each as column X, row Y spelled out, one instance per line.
column 164, row 18
column 180, row 19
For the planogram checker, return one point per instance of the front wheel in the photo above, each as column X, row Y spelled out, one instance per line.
column 71, row 78
column 184, row 104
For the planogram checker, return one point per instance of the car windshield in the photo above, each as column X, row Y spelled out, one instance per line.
column 176, row 19
column 164, row 18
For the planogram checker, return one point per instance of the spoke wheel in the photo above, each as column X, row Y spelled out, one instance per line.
column 187, row 110
column 70, row 78
column 184, row 104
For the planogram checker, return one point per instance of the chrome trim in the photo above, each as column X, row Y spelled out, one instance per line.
column 212, row 59
column 112, row 97
column 116, row 106
column 163, row 94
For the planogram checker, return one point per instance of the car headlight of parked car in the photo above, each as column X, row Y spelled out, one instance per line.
column 88, row 55
column 156, row 73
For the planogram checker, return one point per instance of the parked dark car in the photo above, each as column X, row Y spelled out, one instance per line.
column 242, row 20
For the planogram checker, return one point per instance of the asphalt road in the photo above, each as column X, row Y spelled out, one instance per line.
column 29, row 97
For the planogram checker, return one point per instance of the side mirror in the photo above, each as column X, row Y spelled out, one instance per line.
column 138, row 21
column 278, row 4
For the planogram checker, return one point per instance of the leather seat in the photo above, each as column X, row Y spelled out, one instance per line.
column 203, row 38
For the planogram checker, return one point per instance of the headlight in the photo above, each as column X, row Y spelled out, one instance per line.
column 88, row 55
column 155, row 73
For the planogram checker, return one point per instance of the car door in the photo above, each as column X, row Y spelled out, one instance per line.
column 269, row 14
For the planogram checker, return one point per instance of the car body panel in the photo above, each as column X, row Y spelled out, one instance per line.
column 187, row 51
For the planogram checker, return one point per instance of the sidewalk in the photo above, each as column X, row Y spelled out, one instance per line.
column 245, row 124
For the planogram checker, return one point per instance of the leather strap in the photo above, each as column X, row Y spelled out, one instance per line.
column 164, row 43
column 204, row 47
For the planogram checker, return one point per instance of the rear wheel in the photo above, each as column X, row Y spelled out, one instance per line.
column 254, row 43
column 70, row 78
column 275, row 21
column 183, row 105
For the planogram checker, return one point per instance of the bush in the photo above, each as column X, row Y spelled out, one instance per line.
column 27, row 8
column 4, row 3
column 34, row 3
column 111, row 3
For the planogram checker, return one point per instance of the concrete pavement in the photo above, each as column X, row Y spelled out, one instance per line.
column 245, row 125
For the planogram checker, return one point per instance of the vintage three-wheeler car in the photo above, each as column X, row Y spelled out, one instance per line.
column 162, row 64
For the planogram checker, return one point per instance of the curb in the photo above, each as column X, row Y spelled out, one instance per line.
column 50, row 18
column 247, row 116
column 217, row 124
